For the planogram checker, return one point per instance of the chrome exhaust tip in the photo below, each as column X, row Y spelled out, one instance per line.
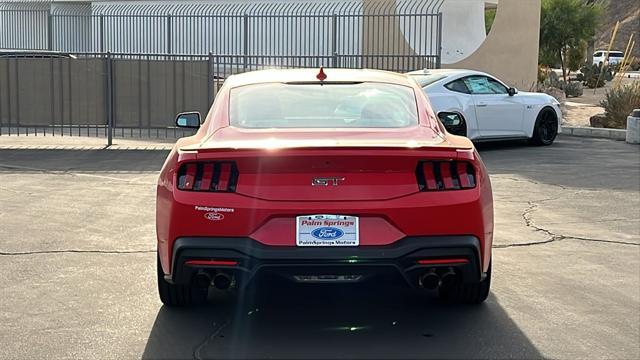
column 429, row 280
column 222, row 281
column 449, row 278
column 203, row 280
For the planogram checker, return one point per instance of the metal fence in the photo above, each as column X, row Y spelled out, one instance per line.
column 113, row 95
column 262, row 34
column 132, row 73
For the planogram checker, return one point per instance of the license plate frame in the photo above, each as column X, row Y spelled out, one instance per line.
column 325, row 230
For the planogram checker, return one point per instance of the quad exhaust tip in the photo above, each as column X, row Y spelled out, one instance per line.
column 222, row 281
column 430, row 280
column 203, row 280
column 448, row 279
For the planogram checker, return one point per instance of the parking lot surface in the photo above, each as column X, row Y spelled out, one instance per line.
column 77, row 270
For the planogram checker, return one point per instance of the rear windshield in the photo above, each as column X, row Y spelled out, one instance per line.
column 427, row 79
column 357, row 105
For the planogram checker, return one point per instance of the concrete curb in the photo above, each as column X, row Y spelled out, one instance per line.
column 613, row 134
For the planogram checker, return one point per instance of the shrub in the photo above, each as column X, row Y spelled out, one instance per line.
column 576, row 56
column 573, row 89
column 557, row 93
column 591, row 74
column 543, row 73
column 553, row 79
column 618, row 104
column 610, row 72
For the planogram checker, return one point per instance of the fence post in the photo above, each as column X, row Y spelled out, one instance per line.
column 245, row 40
column 334, row 40
column 210, row 78
column 439, row 42
column 101, row 33
column 109, row 98
column 49, row 31
column 169, row 34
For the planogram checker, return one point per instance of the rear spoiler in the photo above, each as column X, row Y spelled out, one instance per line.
column 286, row 144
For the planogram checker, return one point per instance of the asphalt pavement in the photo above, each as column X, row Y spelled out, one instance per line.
column 77, row 269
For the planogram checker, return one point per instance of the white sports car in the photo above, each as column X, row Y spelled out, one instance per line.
column 483, row 108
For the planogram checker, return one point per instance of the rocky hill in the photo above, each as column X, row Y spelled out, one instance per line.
column 628, row 13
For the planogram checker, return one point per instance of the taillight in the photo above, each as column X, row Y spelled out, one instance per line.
column 219, row 176
column 445, row 175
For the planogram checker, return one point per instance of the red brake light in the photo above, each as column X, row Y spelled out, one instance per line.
column 445, row 175
column 442, row 261
column 225, row 176
column 187, row 179
column 218, row 176
column 211, row 262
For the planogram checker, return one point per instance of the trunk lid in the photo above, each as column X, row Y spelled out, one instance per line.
column 313, row 166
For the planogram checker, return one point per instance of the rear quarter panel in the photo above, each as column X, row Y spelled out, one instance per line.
column 443, row 100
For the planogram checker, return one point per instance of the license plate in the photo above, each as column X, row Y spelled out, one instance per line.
column 327, row 230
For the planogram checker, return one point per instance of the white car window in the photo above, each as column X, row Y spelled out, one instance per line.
column 458, row 86
column 481, row 85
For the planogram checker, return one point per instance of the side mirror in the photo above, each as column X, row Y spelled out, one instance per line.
column 188, row 120
column 453, row 122
column 512, row 91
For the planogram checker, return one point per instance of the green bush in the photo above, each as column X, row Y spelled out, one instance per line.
column 610, row 72
column 618, row 104
column 591, row 73
column 543, row 73
column 553, row 80
column 573, row 89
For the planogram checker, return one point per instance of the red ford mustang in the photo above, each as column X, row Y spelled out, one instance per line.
column 322, row 176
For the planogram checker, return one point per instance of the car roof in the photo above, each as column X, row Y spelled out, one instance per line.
column 309, row 75
column 447, row 72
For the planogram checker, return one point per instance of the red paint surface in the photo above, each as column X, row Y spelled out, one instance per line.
column 276, row 168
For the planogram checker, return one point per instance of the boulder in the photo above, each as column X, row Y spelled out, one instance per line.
column 558, row 94
column 598, row 121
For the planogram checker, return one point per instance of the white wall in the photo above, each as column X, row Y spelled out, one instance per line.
column 463, row 29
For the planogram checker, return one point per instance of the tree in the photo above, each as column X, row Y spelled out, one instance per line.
column 489, row 17
column 565, row 26
column 576, row 56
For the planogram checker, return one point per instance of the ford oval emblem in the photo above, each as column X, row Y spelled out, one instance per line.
column 325, row 233
column 213, row 216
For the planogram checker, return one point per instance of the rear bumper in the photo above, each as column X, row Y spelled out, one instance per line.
column 249, row 257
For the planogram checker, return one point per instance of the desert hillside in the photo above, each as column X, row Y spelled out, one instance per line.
column 628, row 13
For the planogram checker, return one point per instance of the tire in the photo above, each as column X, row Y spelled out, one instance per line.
column 467, row 293
column 179, row 295
column 546, row 128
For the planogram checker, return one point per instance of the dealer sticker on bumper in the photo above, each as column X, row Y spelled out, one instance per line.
column 327, row 230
